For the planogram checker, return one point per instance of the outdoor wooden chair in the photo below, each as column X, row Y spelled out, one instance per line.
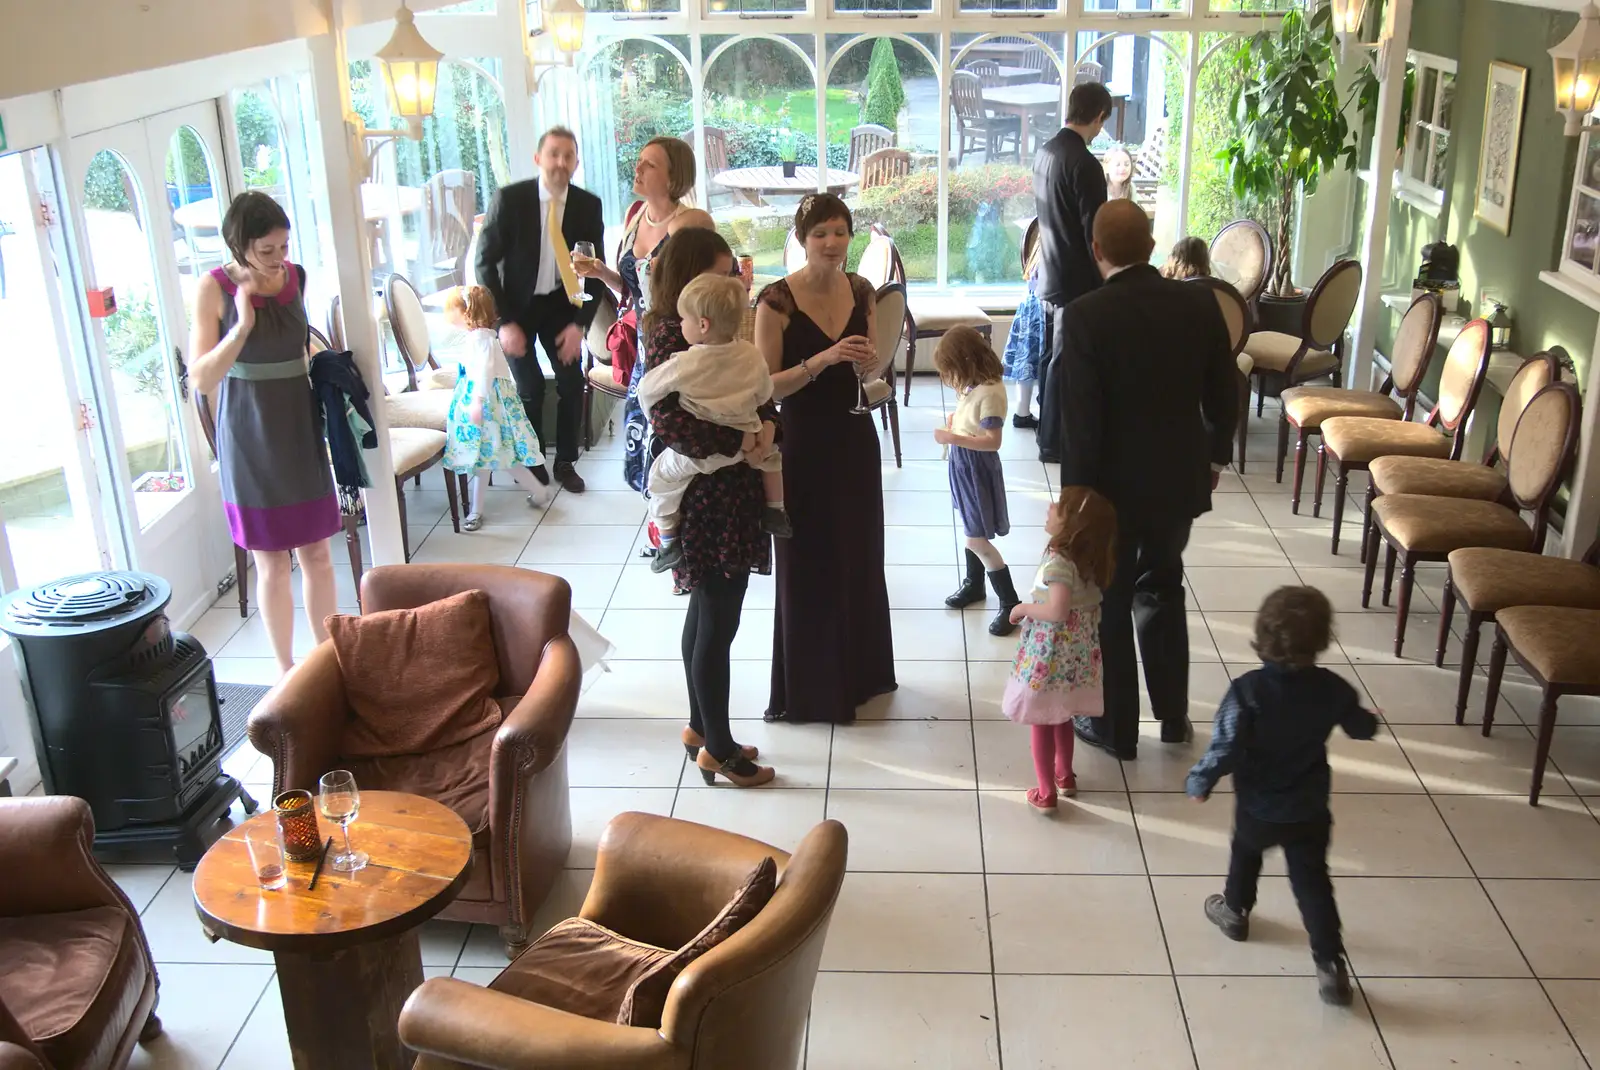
column 884, row 166
column 865, row 140
column 449, row 203
column 975, row 128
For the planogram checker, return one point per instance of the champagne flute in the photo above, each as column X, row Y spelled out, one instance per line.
column 861, row 388
column 340, row 801
column 583, row 250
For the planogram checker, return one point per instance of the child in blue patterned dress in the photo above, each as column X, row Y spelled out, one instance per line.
column 487, row 429
column 1025, row 345
column 1056, row 674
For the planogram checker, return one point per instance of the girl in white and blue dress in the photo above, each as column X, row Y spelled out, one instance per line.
column 968, row 366
column 1057, row 672
column 487, row 428
column 1025, row 345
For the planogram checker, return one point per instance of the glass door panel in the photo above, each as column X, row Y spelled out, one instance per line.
column 50, row 524
column 118, row 209
column 197, row 244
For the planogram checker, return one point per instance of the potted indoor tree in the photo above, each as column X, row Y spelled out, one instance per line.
column 1289, row 128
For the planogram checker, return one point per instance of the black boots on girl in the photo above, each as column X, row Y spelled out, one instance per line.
column 971, row 592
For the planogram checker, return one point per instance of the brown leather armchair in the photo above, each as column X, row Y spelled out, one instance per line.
column 77, row 983
column 659, row 881
column 515, row 798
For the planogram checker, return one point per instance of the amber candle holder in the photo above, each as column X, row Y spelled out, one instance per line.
column 297, row 820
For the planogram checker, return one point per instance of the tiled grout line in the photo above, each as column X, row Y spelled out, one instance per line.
column 245, row 1022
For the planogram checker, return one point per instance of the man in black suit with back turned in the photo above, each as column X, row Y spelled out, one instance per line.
column 1069, row 186
column 1149, row 400
column 536, row 291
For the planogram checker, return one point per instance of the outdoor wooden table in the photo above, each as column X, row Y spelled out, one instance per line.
column 347, row 953
column 752, row 182
column 1017, row 75
column 1024, row 101
column 999, row 51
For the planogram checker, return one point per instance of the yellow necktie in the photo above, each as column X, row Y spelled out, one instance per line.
column 558, row 245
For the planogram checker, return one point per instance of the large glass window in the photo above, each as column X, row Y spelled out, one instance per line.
column 761, row 141
column 1580, row 251
column 256, row 123
column 1212, row 204
column 887, row 129
column 427, row 196
column 633, row 90
column 1424, row 170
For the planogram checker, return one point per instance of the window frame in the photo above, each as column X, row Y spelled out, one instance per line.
column 1426, row 195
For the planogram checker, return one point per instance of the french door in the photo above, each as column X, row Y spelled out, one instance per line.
column 148, row 198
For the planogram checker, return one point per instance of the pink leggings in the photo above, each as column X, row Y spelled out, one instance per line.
column 1052, row 755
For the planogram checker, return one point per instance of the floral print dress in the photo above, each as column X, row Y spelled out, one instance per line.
column 1056, row 674
column 504, row 438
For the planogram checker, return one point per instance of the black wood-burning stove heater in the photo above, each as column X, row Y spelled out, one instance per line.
column 125, row 714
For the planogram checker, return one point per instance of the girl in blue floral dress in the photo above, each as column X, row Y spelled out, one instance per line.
column 1025, row 347
column 487, row 428
column 1056, row 674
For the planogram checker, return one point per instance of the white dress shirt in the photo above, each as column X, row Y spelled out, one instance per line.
column 549, row 280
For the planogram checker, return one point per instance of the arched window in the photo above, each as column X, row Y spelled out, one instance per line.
column 633, row 90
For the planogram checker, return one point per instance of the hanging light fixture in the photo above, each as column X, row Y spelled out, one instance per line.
column 562, row 21
column 409, row 66
column 1577, row 70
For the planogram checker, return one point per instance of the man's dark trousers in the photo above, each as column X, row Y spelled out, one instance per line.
column 548, row 315
column 1145, row 594
column 1049, row 433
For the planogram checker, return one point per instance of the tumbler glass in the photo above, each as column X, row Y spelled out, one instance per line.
column 265, row 844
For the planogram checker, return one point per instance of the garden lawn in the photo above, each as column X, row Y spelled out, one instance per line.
column 844, row 111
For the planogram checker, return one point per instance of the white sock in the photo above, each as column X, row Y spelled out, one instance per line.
column 778, row 505
column 1025, row 398
column 474, row 494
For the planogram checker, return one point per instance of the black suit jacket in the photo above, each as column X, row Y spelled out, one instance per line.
column 512, row 239
column 1149, row 396
column 1069, row 186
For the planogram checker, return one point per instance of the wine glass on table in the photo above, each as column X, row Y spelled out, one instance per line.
column 339, row 800
column 583, row 251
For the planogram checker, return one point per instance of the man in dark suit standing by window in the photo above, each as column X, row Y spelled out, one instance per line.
column 1069, row 186
column 525, row 261
column 1148, row 395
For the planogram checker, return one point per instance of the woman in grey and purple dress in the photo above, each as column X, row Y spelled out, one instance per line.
column 250, row 333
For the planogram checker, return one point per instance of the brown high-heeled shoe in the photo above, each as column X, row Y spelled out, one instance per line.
column 693, row 741
column 740, row 771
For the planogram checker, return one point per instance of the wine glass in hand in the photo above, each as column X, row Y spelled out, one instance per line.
column 340, row 801
column 864, row 358
column 582, row 256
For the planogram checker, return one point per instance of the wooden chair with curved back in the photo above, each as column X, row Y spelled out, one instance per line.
column 1241, row 254
column 926, row 317
column 1443, row 478
column 865, row 140
column 425, row 401
column 1352, row 443
column 884, row 166
column 1236, row 314
column 888, row 328
column 449, row 204
column 1306, row 407
column 1284, row 360
column 1417, row 527
column 975, row 127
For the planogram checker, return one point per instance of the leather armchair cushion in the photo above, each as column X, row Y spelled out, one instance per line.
column 1557, row 643
column 580, row 967
column 72, row 981
column 648, row 997
column 418, row 680
column 1489, row 580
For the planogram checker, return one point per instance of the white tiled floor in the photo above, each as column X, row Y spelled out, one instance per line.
column 1016, row 940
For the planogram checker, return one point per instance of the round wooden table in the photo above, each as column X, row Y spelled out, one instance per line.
column 752, row 182
column 347, row 952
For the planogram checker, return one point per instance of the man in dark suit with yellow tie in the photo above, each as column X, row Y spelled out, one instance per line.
column 525, row 261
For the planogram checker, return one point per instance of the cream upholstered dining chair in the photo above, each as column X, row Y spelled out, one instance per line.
column 1352, row 443
column 598, row 377
column 1241, row 255
column 1284, row 360
column 1236, row 314
column 1484, row 580
column 888, row 328
column 1444, row 478
column 1555, row 644
column 425, row 401
column 794, row 253
column 1306, row 407
column 1418, row 528
column 928, row 317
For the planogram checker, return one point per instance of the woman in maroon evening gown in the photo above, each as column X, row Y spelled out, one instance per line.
column 831, row 643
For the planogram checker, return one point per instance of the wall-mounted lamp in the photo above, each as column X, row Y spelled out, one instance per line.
column 1347, row 18
column 562, row 21
column 410, row 69
column 1577, row 67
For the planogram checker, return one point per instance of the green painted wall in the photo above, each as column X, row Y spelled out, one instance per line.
column 1474, row 33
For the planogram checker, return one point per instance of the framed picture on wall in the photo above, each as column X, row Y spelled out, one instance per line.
column 1502, row 137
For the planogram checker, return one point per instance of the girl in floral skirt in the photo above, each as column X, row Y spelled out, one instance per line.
column 1056, row 675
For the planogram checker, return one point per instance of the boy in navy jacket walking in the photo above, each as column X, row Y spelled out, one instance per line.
column 1271, row 733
